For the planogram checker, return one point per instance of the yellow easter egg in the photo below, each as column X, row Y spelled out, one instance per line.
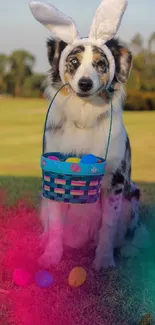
column 74, row 160
column 77, row 277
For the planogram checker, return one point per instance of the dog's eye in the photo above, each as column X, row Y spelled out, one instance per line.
column 75, row 62
column 101, row 65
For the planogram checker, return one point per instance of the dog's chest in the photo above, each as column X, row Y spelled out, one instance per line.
column 71, row 139
column 75, row 140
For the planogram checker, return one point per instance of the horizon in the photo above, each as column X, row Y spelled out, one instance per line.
column 24, row 32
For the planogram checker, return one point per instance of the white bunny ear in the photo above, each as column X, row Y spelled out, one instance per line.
column 107, row 19
column 61, row 25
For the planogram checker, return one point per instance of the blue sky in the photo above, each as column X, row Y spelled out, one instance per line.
column 20, row 30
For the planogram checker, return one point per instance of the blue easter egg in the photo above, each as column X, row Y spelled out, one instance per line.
column 43, row 279
column 89, row 159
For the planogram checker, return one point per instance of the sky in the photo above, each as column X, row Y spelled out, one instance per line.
column 19, row 30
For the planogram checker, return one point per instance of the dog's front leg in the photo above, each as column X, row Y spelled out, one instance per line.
column 111, row 211
column 54, row 247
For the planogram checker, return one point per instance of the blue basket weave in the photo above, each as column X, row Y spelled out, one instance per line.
column 72, row 183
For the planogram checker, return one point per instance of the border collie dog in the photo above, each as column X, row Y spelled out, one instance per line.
column 78, row 123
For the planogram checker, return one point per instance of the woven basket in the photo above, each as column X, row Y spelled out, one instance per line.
column 69, row 182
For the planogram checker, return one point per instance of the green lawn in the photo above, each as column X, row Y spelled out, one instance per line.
column 21, row 126
column 120, row 296
column 141, row 129
column 20, row 136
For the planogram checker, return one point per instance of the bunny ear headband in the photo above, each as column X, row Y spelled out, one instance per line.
column 104, row 27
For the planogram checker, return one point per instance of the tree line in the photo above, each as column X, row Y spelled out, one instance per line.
column 17, row 77
column 141, row 84
column 143, row 72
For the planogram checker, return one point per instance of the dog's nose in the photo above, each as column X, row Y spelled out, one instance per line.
column 85, row 84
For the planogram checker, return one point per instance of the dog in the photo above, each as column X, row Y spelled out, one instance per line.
column 81, row 126
column 92, row 69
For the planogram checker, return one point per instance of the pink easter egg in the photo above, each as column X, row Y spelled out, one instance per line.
column 53, row 158
column 75, row 168
column 21, row 277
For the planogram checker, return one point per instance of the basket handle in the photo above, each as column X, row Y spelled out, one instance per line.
column 44, row 130
column 110, row 126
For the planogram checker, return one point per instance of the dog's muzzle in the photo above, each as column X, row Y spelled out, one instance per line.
column 85, row 84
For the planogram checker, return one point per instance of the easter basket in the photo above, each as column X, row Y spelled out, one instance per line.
column 69, row 182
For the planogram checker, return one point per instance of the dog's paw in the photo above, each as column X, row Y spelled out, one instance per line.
column 104, row 262
column 51, row 257
column 47, row 259
column 129, row 250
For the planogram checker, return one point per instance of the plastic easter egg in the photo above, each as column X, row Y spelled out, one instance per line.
column 43, row 279
column 77, row 277
column 21, row 277
column 89, row 159
column 74, row 160
column 53, row 158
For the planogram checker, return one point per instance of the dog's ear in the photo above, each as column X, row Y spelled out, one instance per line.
column 107, row 19
column 58, row 23
column 123, row 60
column 54, row 49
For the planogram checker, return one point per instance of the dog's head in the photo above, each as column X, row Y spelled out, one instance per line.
column 86, row 67
column 87, row 64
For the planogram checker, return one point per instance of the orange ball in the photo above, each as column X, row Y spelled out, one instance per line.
column 77, row 277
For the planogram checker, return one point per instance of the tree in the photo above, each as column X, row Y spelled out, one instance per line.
column 20, row 65
column 137, row 44
column 150, row 42
column 33, row 85
column 139, row 66
column 139, row 58
column 3, row 70
column 151, row 52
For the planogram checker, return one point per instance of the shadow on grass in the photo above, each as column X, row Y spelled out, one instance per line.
column 19, row 187
column 115, row 297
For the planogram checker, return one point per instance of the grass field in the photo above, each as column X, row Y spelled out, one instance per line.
column 20, row 136
column 21, row 126
column 116, row 297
